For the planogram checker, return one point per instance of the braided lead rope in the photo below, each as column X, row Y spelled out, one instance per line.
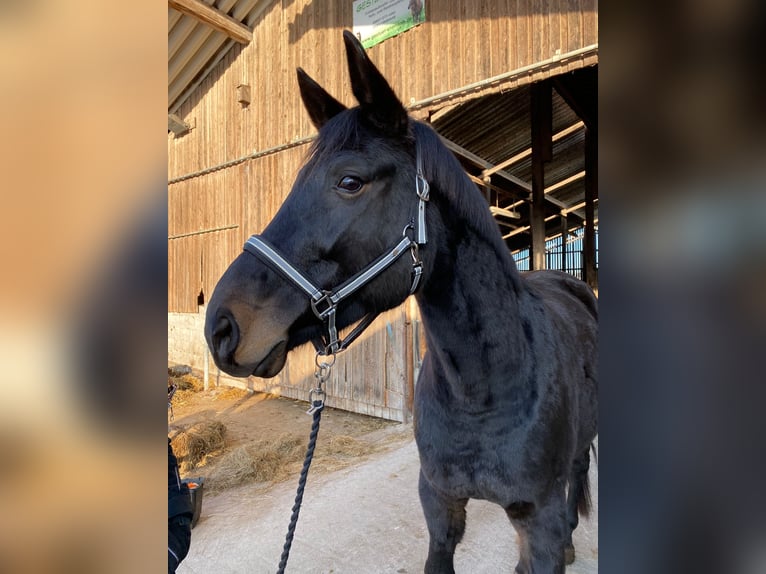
column 324, row 363
column 299, row 495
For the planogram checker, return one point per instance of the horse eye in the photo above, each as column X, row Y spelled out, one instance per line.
column 349, row 184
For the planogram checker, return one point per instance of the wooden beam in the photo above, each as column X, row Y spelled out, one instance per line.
column 564, row 234
column 591, row 193
column 541, row 117
column 552, row 200
column 504, row 212
column 177, row 125
column 527, row 152
column 523, row 185
column 565, row 181
column 475, row 159
column 482, row 183
column 213, row 17
column 579, row 89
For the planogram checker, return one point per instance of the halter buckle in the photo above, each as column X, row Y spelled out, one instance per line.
column 421, row 187
column 325, row 299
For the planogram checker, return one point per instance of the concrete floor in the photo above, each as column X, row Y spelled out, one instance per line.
column 365, row 519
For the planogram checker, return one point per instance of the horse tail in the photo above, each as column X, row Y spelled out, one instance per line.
column 582, row 486
column 584, row 501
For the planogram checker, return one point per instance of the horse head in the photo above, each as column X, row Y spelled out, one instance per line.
column 354, row 198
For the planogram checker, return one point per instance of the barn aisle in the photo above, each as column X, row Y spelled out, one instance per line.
column 364, row 519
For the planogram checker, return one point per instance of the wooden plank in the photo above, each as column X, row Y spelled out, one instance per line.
column 215, row 18
column 499, row 33
column 456, row 45
column 590, row 20
column 474, row 45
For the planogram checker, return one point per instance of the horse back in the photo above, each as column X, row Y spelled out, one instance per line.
column 571, row 309
column 570, row 294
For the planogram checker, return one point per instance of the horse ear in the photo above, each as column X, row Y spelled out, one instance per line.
column 376, row 98
column 320, row 105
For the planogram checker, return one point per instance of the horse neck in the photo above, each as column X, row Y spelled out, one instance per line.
column 472, row 305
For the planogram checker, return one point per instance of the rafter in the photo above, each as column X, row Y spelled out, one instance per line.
column 527, row 152
column 213, row 17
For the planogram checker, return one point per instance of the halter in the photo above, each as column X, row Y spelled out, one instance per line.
column 324, row 302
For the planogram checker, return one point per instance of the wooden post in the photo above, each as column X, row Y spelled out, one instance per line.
column 564, row 236
column 541, row 113
column 206, row 369
column 410, row 357
column 591, row 192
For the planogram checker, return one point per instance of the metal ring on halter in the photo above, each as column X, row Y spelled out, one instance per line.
column 415, row 253
column 324, row 364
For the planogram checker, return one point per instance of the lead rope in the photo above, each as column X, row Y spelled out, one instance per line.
column 316, row 398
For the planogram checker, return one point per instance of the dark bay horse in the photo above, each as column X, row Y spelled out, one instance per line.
column 506, row 401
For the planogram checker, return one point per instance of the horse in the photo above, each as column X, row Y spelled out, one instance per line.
column 505, row 405
column 416, row 9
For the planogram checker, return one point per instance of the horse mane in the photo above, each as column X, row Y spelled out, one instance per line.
column 448, row 179
column 345, row 131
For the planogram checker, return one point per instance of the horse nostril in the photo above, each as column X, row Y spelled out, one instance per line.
column 225, row 336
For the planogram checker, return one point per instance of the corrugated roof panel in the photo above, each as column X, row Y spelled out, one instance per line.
column 497, row 127
column 193, row 46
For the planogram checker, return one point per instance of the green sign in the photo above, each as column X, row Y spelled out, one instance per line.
column 378, row 20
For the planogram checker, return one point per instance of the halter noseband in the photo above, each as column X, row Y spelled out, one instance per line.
column 324, row 303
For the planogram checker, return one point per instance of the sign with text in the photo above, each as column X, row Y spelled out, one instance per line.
column 378, row 20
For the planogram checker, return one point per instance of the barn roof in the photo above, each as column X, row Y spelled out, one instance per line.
column 491, row 135
column 200, row 32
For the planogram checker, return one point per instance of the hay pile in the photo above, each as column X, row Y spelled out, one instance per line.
column 335, row 452
column 227, row 393
column 261, row 461
column 187, row 382
column 188, row 385
column 192, row 446
column 272, row 461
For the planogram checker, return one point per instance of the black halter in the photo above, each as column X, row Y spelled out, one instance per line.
column 324, row 302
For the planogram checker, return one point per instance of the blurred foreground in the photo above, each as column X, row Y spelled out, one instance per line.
column 82, row 299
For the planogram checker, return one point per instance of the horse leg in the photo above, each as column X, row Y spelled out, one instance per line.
column 445, row 518
column 578, row 500
column 542, row 534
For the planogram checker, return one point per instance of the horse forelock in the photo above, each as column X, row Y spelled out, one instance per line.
column 346, row 132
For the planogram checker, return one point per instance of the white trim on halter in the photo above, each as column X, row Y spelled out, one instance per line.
column 324, row 303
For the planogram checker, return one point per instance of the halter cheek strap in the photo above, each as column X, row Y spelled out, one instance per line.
column 324, row 303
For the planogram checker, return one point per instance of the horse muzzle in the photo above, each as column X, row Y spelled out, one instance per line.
column 239, row 347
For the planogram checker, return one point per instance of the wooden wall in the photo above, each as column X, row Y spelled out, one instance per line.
column 462, row 43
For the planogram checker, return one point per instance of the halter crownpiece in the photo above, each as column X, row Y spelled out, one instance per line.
column 423, row 190
column 324, row 303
